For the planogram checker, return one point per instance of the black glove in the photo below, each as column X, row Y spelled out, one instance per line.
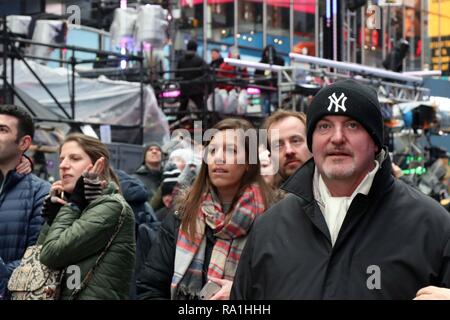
column 50, row 209
column 87, row 189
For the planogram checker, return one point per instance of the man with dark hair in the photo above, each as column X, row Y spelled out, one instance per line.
column 21, row 196
column 347, row 229
column 216, row 59
column 269, row 78
column 150, row 171
column 193, row 78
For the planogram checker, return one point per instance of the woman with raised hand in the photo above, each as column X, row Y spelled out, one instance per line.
column 203, row 240
column 89, row 226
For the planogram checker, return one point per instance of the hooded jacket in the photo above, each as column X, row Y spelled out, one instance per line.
column 393, row 242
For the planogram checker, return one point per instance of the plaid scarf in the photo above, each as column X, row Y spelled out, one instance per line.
column 231, row 236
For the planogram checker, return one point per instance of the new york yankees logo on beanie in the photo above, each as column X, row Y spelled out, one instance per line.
column 347, row 98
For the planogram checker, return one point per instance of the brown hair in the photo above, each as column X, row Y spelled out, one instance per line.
column 280, row 115
column 95, row 149
column 189, row 202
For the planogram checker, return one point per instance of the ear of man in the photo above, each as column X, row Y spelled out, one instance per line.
column 25, row 143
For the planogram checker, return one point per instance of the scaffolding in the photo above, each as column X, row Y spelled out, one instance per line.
column 11, row 52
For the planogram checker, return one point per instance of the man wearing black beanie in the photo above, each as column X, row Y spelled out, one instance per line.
column 347, row 229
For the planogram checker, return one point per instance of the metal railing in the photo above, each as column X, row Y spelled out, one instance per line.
column 12, row 53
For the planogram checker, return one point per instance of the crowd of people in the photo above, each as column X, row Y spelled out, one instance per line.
column 318, row 215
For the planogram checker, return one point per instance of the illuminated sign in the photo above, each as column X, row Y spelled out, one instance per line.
column 438, row 19
column 440, row 54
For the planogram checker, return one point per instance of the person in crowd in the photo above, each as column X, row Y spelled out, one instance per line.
column 347, row 228
column 227, row 74
column 191, row 79
column 21, row 194
column 150, row 171
column 286, row 134
column 189, row 167
column 267, row 169
column 203, row 240
column 135, row 194
column 84, row 212
column 291, row 130
column 267, row 77
column 269, row 56
column 216, row 59
column 180, row 158
column 170, row 181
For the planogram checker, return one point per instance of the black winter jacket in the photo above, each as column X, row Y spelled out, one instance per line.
column 154, row 280
column 192, row 79
column 392, row 242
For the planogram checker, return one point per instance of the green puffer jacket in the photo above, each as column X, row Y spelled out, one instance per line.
column 78, row 238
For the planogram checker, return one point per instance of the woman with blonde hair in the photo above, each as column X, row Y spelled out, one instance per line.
column 203, row 240
column 88, row 223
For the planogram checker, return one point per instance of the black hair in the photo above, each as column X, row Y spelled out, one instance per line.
column 192, row 45
column 269, row 53
column 25, row 122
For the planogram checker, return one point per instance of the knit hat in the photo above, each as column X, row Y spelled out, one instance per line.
column 152, row 144
column 169, row 179
column 148, row 146
column 347, row 98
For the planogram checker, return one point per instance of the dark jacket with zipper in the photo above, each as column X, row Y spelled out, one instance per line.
column 392, row 242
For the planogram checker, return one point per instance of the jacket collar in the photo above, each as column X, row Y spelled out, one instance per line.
column 11, row 179
column 301, row 182
column 296, row 183
column 143, row 169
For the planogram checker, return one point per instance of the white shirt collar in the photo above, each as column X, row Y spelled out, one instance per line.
column 335, row 209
